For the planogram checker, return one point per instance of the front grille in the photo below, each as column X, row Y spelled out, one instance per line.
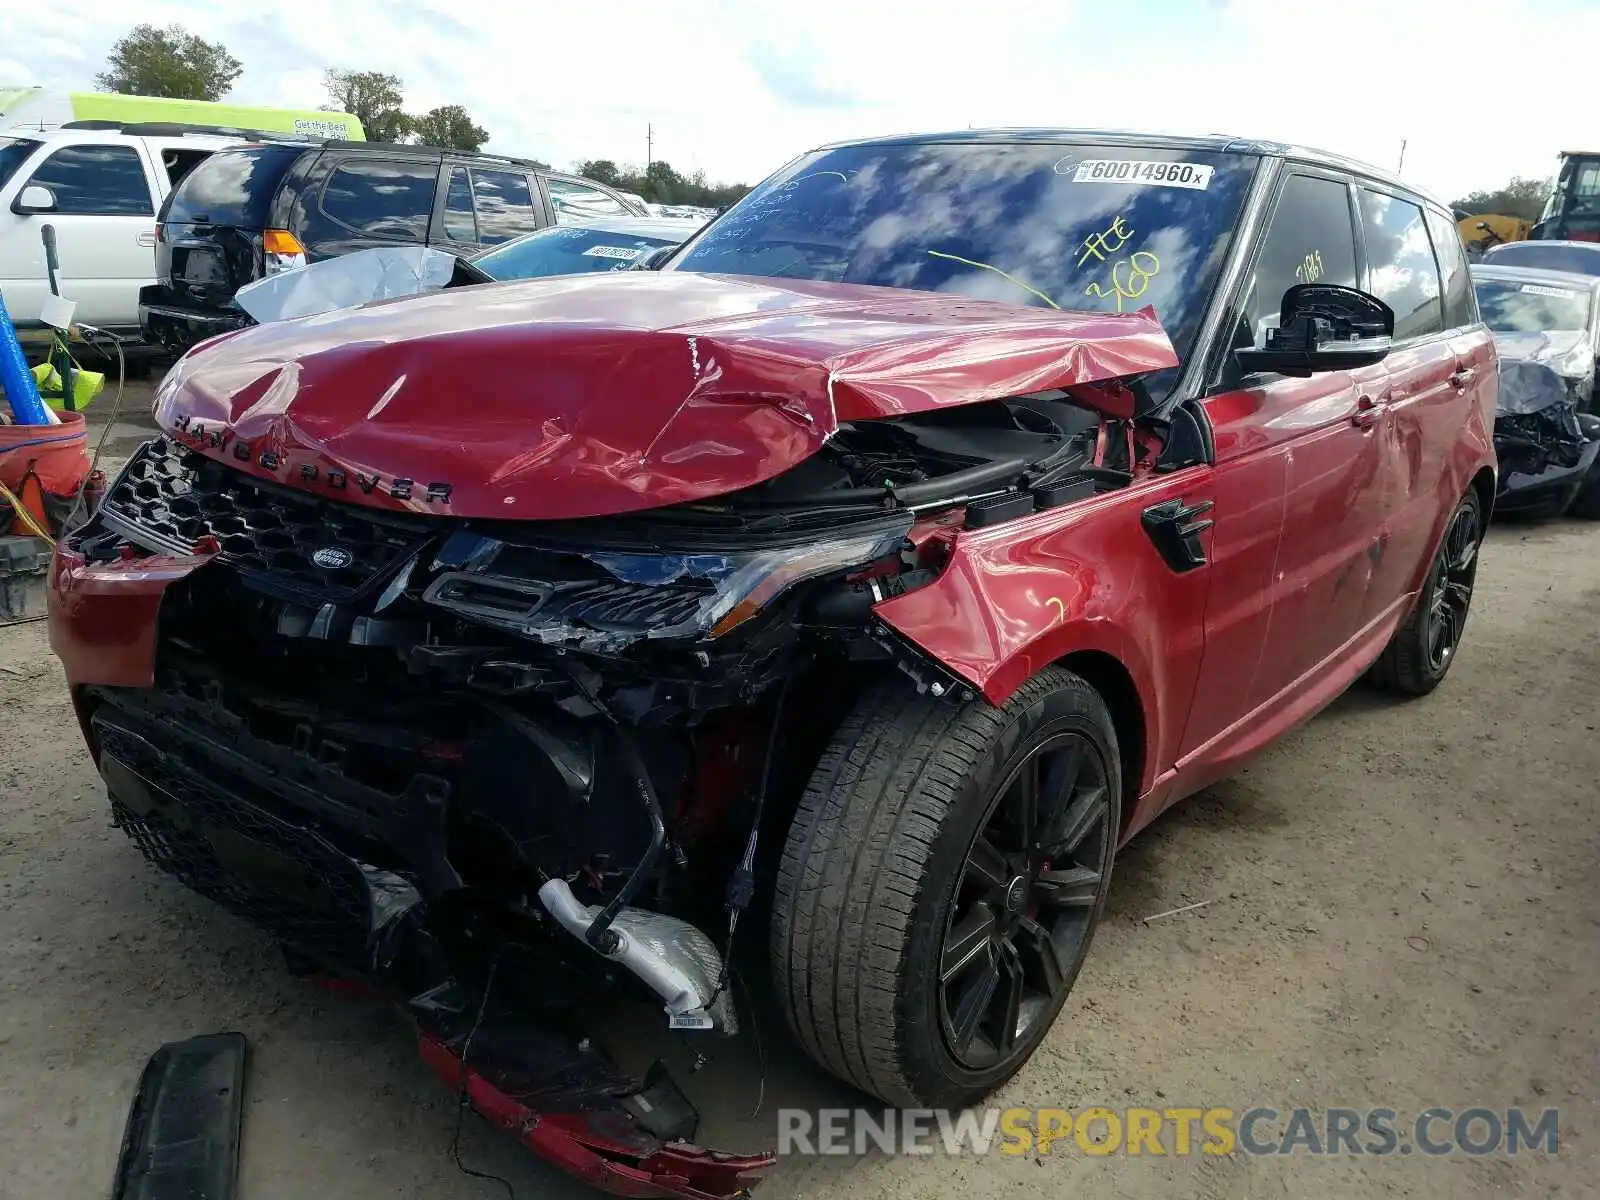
column 275, row 873
column 168, row 499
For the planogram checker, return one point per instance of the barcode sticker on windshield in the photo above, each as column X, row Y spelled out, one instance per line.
column 1538, row 289
column 1138, row 171
column 613, row 252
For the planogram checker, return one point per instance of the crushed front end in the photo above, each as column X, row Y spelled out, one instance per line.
column 1545, row 440
column 505, row 716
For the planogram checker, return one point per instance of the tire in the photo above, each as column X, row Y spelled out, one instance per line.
column 891, row 912
column 1420, row 653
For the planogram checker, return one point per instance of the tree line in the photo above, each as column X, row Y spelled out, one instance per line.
column 660, row 184
column 1521, row 197
column 172, row 62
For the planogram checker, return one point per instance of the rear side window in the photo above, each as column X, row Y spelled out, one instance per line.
column 575, row 202
column 13, row 153
column 382, row 198
column 1400, row 258
column 459, row 225
column 505, row 205
column 232, row 187
column 1460, row 308
column 106, row 181
column 1311, row 240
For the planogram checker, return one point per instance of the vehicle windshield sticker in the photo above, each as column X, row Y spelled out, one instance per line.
column 613, row 252
column 1137, row 171
column 1538, row 289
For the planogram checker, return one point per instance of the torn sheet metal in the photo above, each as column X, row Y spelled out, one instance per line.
column 593, row 395
column 382, row 273
column 1538, row 370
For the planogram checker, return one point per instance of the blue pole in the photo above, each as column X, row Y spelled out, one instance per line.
column 15, row 378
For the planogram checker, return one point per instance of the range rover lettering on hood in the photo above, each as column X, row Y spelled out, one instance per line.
column 308, row 475
column 600, row 394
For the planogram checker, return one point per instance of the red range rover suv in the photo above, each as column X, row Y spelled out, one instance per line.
column 874, row 568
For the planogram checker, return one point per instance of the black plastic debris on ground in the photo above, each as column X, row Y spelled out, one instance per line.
column 182, row 1137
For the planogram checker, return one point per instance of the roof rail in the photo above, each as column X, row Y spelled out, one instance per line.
column 433, row 151
column 177, row 129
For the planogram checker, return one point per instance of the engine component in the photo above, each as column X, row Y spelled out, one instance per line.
column 677, row 961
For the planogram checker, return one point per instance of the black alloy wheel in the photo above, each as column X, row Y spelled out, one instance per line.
column 1425, row 644
column 1450, row 588
column 1022, row 914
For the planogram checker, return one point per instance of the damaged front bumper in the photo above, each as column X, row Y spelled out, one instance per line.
column 1546, row 457
column 206, row 800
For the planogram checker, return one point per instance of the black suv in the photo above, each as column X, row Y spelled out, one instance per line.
column 251, row 210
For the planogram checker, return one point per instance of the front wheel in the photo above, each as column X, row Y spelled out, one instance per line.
column 1421, row 651
column 941, row 884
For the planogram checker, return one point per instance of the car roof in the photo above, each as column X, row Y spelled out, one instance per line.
column 198, row 141
column 1587, row 247
column 667, row 228
column 1216, row 143
column 1569, row 279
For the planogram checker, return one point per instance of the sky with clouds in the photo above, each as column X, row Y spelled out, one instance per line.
column 1479, row 91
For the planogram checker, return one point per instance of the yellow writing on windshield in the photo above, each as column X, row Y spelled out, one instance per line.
column 1310, row 268
column 1129, row 278
column 983, row 266
column 1098, row 245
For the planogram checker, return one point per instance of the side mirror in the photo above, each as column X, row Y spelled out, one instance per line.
column 34, row 199
column 1324, row 327
column 1484, row 225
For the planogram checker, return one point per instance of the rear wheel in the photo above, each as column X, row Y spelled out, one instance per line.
column 1420, row 653
column 941, row 884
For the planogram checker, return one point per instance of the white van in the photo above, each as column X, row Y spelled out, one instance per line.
column 100, row 190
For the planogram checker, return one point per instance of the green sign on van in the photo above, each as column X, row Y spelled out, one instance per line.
column 40, row 109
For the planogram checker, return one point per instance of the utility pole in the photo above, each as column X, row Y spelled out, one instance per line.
column 649, row 148
column 1402, row 165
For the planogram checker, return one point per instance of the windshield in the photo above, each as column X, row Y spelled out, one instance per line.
column 1511, row 307
column 568, row 250
column 1049, row 225
column 13, row 153
column 1546, row 257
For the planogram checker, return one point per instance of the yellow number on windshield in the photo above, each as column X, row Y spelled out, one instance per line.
column 1130, row 277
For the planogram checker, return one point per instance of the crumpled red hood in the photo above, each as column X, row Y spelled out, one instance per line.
column 590, row 395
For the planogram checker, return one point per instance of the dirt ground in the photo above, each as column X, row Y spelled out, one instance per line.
column 1402, row 913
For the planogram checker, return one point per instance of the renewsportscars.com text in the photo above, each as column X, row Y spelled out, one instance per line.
column 1176, row 1131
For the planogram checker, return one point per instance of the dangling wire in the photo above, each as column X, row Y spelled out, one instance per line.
column 461, row 1094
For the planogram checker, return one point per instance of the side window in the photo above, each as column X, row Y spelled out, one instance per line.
column 106, row 181
column 1400, row 259
column 382, row 198
column 578, row 202
column 1460, row 305
column 459, row 224
column 1311, row 240
column 505, row 205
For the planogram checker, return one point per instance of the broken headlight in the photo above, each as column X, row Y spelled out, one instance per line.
column 604, row 599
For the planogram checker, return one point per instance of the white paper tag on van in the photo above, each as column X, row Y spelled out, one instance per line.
column 1539, row 289
column 690, row 1020
column 1138, row 171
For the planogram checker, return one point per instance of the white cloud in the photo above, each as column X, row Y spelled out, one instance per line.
column 736, row 88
